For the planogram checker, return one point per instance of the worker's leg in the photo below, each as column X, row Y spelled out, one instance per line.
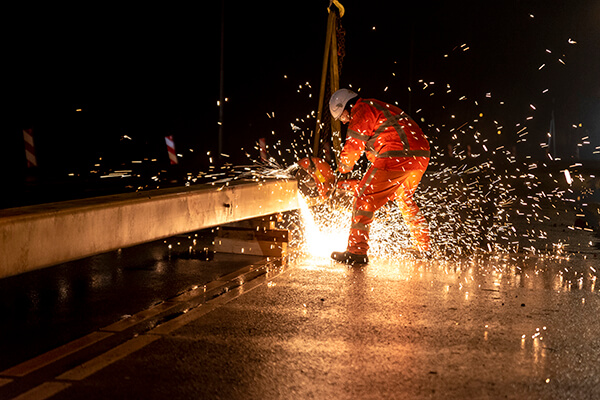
column 414, row 219
column 375, row 189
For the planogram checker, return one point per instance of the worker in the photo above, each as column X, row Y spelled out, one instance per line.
column 398, row 152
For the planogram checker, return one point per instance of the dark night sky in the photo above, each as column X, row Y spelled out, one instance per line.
column 149, row 71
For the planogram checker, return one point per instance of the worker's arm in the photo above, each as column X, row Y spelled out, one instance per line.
column 360, row 130
column 352, row 151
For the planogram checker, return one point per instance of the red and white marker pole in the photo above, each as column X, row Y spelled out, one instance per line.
column 171, row 149
column 262, row 143
column 29, row 148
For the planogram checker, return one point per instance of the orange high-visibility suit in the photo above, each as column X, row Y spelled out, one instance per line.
column 399, row 153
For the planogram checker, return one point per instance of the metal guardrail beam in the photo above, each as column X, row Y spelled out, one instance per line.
column 35, row 237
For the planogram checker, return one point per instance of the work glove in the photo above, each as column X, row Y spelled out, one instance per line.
column 339, row 176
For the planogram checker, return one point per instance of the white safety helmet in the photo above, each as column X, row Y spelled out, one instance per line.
column 338, row 101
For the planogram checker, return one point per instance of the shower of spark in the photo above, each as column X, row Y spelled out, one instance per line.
column 477, row 195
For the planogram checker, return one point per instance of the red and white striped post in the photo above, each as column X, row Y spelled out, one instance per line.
column 262, row 143
column 171, row 149
column 29, row 148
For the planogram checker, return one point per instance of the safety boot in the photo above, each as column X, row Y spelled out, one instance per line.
column 350, row 258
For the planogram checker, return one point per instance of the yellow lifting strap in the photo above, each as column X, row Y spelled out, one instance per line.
column 338, row 5
column 330, row 64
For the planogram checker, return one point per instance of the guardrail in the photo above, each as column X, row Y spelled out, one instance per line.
column 39, row 236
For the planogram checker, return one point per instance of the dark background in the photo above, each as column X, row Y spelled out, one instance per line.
column 139, row 73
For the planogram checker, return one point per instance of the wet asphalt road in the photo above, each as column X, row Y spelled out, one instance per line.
column 44, row 309
column 511, row 327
